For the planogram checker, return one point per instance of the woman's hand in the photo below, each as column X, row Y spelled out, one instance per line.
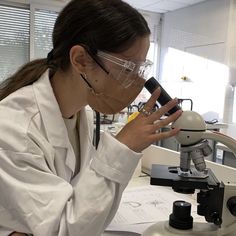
column 17, row 234
column 144, row 130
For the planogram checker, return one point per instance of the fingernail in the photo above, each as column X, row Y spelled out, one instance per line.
column 179, row 112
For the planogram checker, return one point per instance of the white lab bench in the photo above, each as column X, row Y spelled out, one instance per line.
column 120, row 234
column 135, row 182
column 159, row 155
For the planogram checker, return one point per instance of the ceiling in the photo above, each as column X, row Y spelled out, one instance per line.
column 162, row 6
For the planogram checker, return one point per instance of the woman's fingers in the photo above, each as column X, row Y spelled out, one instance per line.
column 166, row 134
column 147, row 110
column 148, row 107
column 17, row 234
column 158, row 124
column 163, row 110
column 147, row 124
column 170, row 118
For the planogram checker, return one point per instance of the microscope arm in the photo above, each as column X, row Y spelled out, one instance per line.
column 222, row 138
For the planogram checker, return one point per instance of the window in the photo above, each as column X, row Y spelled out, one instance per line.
column 15, row 34
column 188, row 76
column 44, row 21
column 14, row 39
column 152, row 56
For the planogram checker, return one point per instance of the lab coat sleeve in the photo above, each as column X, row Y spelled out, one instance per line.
column 105, row 180
column 41, row 203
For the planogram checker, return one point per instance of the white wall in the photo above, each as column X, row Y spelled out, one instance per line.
column 201, row 25
column 204, row 30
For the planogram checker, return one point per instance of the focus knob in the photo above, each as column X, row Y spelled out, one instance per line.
column 231, row 204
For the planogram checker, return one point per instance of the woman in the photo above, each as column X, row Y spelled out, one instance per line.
column 52, row 180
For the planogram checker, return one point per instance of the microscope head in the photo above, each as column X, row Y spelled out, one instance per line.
column 192, row 126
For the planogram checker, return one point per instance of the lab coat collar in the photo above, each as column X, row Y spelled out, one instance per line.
column 54, row 124
column 49, row 109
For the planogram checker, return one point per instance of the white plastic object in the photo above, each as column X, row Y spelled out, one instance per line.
column 191, row 125
column 222, row 138
column 163, row 229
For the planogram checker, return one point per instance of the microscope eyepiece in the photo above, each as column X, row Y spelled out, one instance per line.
column 151, row 85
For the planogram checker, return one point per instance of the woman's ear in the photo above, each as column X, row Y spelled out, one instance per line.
column 78, row 58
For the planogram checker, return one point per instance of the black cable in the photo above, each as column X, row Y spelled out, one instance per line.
column 98, row 119
column 97, row 131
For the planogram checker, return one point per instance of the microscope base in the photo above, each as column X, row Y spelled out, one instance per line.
column 199, row 229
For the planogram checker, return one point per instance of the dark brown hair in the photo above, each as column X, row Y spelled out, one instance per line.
column 108, row 25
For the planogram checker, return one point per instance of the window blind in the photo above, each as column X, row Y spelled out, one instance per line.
column 14, row 39
column 44, row 21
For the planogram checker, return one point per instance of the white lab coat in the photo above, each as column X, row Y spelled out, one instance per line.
column 38, row 192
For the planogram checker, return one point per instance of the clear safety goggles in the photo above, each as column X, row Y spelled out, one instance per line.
column 126, row 72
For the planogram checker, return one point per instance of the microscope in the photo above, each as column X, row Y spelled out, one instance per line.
column 216, row 200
